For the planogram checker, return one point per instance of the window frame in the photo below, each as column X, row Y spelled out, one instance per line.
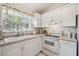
column 21, row 19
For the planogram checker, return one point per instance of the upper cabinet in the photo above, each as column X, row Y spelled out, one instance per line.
column 56, row 14
column 68, row 15
column 65, row 15
column 50, row 16
column 37, row 20
column 45, row 18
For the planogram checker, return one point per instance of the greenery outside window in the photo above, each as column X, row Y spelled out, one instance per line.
column 14, row 20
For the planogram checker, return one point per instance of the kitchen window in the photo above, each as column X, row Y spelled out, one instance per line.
column 14, row 20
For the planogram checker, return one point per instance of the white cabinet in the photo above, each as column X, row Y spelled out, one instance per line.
column 0, row 51
column 37, row 20
column 67, row 48
column 56, row 14
column 50, row 16
column 45, row 19
column 32, row 47
column 12, row 50
column 39, row 44
column 68, row 15
column 65, row 15
column 27, row 48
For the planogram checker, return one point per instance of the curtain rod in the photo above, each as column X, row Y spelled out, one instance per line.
column 17, row 10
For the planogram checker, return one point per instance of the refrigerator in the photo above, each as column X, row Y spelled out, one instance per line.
column 77, row 33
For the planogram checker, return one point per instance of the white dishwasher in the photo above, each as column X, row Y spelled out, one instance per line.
column 67, row 48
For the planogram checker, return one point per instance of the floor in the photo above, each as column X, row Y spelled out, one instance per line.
column 41, row 54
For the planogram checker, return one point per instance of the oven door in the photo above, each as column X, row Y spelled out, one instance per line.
column 52, row 45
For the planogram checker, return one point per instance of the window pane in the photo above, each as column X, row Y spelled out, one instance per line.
column 16, row 21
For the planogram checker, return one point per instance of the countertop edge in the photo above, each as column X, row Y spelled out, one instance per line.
column 4, row 43
column 68, row 39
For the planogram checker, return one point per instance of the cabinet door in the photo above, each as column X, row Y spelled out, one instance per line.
column 68, row 15
column 37, row 45
column 32, row 47
column 27, row 48
column 67, row 48
column 0, row 51
column 56, row 14
column 12, row 50
column 50, row 16
column 45, row 19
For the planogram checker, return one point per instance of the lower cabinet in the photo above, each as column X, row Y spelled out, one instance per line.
column 39, row 44
column 34, row 47
column 0, row 51
column 67, row 48
column 29, row 47
column 12, row 50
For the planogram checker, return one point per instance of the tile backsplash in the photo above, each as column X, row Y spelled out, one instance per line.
column 70, row 29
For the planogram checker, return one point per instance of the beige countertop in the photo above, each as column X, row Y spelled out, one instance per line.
column 65, row 38
column 28, row 37
column 68, row 39
column 17, row 39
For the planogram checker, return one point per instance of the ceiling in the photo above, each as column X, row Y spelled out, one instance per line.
column 31, row 8
column 41, row 7
column 37, row 7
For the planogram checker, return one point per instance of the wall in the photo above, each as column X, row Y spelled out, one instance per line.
column 70, row 29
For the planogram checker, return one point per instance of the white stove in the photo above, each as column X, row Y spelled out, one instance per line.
column 51, row 43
